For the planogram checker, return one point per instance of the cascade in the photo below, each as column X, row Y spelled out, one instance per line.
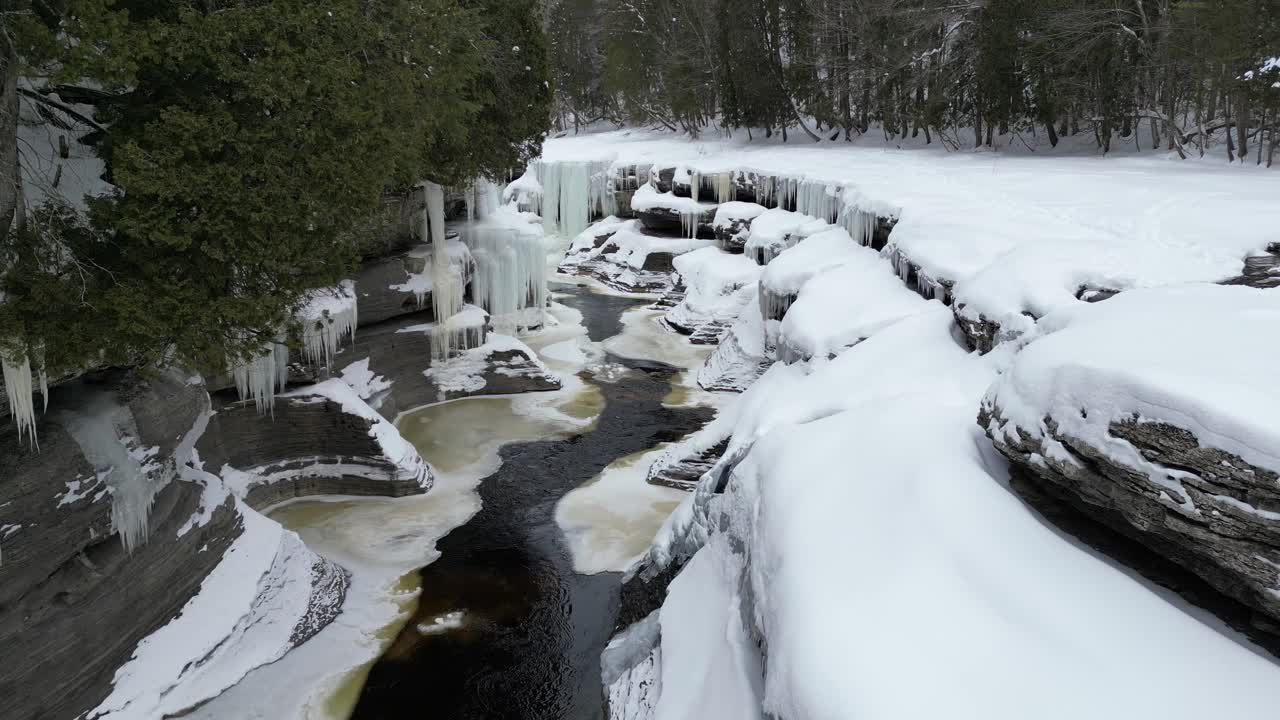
column 328, row 317
column 18, row 380
column 446, row 280
column 765, row 190
column 695, row 185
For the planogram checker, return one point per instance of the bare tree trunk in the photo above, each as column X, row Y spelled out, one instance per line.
column 10, row 179
column 1242, row 123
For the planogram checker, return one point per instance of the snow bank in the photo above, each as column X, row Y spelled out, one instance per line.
column 1199, row 357
column 243, row 617
column 710, row 668
column 772, row 232
column 647, row 197
column 944, row 575
column 840, row 306
column 1036, row 228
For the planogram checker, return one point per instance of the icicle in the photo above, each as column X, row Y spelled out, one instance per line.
column 259, row 378
column 724, row 187
column 329, row 317
column 106, row 433
column 447, row 284
column 18, row 382
column 510, row 277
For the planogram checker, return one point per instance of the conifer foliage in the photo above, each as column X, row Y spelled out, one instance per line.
column 246, row 145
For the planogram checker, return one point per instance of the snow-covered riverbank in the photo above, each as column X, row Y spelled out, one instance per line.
column 858, row 521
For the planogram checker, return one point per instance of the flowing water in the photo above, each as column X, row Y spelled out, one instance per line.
column 504, row 627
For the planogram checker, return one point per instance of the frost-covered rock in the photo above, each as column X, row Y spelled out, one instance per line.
column 1154, row 414
column 741, row 356
column 732, row 224
column 627, row 258
column 773, row 231
column 717, row 286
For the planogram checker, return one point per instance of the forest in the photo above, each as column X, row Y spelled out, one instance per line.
column 1179, row 75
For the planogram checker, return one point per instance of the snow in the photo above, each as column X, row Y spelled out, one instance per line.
column 242, row 617
column 1199, row 357
column 465, row 371
column 647, row 197
column 717, row 286
column 875, row 522
column 843, row 305
column 710, row 668
column 945, row 575
column 634, row 247
column 728, row 212
column 769, row 233
column 1036, row 227
column 364, row 381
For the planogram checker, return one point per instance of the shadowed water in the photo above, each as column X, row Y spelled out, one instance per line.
column 505, row 628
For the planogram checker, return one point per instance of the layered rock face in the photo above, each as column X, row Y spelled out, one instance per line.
column 108, row 534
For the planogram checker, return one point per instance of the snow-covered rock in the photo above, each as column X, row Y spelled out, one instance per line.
column 1154, row 413
column 717, row 286
column 624, row 257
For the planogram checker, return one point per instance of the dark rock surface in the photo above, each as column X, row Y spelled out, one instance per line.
column 312, row 444
column 73, row 603
column 732, row 238
column 684, row 473
column 399, row 350
column 1223, row 531
column 671, row 223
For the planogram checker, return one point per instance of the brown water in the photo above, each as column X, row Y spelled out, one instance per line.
column 504, row 627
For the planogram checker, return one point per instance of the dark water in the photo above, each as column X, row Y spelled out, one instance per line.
column 530, row 644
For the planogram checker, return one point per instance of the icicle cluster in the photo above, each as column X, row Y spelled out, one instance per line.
column 261, row 378
column 818, row 199
column 482, row 198
column 573, row 193
column 106, row 432
column 329, row 317
column 20, row 385
column 447, row 284
column 724, row 188
column 860, row 225
column 510, row 276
